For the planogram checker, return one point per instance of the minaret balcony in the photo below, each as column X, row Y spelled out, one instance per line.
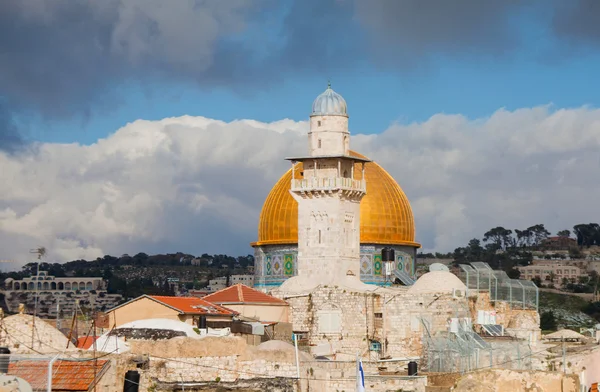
column 328, row 184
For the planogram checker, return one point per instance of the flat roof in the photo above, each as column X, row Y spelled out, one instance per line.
column 305, row 158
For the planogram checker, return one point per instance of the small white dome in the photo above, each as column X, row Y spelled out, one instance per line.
column 437, row 282
column 438, row 267
column 329, row 103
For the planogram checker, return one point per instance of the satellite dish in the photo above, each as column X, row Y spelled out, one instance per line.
column 10, row 383
column 438, row 267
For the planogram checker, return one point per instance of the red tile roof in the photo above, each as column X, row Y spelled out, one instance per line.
column 86, row 342
column 67, row 375
column 193, row 305
column 241, row 294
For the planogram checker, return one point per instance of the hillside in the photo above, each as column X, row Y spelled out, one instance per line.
column 569, row 310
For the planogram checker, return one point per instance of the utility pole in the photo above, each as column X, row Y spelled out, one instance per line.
column 95, row 315
column 41, row 251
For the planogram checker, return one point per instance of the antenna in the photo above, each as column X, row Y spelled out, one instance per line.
column 40, row 252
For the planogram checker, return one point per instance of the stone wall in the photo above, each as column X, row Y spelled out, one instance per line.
column 357, row 320
column 495, row 380
column 403, row 316
column 234, row 373
column 392, row 318
column 519, row 323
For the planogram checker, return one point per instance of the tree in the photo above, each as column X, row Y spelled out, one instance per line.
column 514, row 273
column 538, row 234
column 523, row 238
column 587, row 234
column 499, row 236
column 564, row 233
column 548, row 321
column 538, row 281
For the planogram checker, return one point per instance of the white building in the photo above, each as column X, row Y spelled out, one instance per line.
column 46, row 282
column 220, row 283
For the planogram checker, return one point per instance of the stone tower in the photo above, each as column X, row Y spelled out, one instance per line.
column 328, row 195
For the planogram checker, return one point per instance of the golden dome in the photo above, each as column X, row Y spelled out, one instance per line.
column 385, row 213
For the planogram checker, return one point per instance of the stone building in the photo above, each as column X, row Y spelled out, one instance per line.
column 45, row 282
column 376, row 212
column 332, row 306
column 555, row 271
column 185, row 309
column 52, row 296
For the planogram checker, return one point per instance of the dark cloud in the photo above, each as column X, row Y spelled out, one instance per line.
column 63, row 58
column 412, row 29
column 577, row 21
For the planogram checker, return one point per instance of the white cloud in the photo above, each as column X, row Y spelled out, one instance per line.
column 197, row 185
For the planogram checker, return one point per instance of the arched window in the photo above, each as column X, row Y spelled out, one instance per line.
column 319, row 143
column 61, row 286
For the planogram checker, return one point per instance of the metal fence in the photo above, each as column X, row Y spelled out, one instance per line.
column 479, row 276
column 464, row 350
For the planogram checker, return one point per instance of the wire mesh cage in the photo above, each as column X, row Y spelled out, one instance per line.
column 479, row 276
column 462, row 350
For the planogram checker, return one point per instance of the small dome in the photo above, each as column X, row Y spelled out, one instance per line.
column 437, row 282
column 329, row 103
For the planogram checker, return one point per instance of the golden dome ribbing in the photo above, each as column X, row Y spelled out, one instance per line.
column 385, row 213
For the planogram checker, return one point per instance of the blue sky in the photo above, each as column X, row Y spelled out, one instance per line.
column 77, row 71
column 269, row 63
column 377, row 99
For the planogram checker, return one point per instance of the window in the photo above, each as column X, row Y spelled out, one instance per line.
column 319, row 143
column 330, row 321
column 318, row 123
column 319, row 236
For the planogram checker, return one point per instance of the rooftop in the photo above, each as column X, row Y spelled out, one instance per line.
column 192, row 305
column 239, row 294
column 86, row 342
column 185, row 305
column 67, row 375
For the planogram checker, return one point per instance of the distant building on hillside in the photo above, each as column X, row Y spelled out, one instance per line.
column 556, row 270
column 58, row 294
column 46, row 282
column 221, row 282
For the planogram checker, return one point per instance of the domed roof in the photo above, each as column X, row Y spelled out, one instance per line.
column 437, row 282
column 329, row 103
column 385, row 213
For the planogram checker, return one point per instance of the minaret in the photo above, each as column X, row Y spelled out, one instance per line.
column 328, row 196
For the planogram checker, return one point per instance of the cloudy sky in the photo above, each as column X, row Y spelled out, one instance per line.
column 130, row 125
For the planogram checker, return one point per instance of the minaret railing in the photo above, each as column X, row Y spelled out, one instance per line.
column 328, row 183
